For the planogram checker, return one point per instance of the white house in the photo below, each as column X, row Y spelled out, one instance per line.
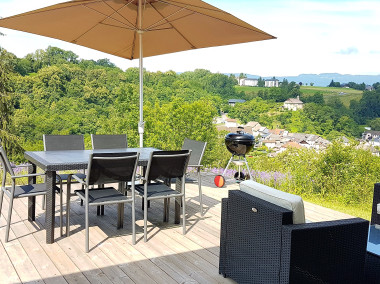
column 293, row 104
column 271, row 83
column 248, row 82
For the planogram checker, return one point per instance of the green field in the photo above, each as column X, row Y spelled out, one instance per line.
column 344, row 94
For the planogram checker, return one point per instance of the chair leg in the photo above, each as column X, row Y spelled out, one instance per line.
column 9, row 219
column 68, row 195
column 145, row 219
column 87, row 229
column 133, row 223
column 200, row 191
column 183, row 215
column 61, row 211
column 1, row 199
column 81, row 201
column 43, row 202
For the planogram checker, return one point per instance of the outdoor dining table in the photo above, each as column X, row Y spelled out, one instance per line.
column 52, row 161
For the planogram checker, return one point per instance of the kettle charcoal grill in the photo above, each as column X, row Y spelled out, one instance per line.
column 239, row 144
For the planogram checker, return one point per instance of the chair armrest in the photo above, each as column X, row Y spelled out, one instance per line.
column 21, row 166
column 194, row 166
column 27, row 175
column 78, row 179
column 375, row 218
column 324, row 252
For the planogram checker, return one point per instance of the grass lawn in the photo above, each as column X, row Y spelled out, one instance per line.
column 344, row 94
column 356, row 210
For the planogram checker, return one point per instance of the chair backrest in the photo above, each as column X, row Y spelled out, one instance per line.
column 109, row 141
column 197, row 150
column 5, row 163
column 63, row 142
column 111, row 167
column 167, row 164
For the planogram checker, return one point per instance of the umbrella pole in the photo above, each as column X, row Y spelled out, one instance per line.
column 141, row 75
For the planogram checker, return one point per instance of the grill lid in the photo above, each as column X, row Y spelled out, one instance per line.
column 239, row 135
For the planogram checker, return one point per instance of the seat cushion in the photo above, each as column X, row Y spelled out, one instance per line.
column 156, row 190
column 108, row 195
column 277, row 197
column 30, row 190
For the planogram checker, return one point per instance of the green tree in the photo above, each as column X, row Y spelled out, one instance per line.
column 375, row 124
column 7, row 137
column 261, row 82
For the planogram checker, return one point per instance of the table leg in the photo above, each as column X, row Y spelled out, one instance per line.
column 50, row 206
column 32, row 200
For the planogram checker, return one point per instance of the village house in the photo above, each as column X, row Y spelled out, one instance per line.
column 232, row 102
column 370, row 134
column 271, row 83
column 293, row 104
column 230, row 122
column 248, row 82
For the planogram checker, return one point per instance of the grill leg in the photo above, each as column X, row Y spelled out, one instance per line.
column 229, row 162
column 248, row 169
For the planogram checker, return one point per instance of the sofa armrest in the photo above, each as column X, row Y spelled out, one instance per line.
column 223, row 237
column 324, row 252
column 375, row 218
column 250, row 245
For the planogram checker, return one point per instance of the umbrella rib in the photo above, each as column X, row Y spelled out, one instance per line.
column 166, row 19
column 172, row 21
column 219, row 11
column 101, row 22
column 117, row 12
column 134, row 42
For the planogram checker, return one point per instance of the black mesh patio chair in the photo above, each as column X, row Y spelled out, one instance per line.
column 163, row 166
column 58, row 143
column 105, row 168
column 114, row 141
column 197, row 150
column 17, row 191
column 108, row 141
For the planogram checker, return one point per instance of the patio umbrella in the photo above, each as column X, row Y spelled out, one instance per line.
column 137, row 28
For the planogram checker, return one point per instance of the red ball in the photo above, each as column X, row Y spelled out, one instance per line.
column 219, row 181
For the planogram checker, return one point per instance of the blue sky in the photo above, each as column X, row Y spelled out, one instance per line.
column 322, row 36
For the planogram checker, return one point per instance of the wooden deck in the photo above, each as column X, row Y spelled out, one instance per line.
column 167, row 257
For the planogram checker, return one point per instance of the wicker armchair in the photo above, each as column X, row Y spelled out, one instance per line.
column 259, row 244
column 372, row 270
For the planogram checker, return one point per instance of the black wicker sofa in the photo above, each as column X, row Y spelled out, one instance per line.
column 260, row 244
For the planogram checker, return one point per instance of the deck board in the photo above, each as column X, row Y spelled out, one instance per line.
column 168, row 256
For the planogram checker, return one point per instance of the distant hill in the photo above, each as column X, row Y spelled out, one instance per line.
column 324, row 79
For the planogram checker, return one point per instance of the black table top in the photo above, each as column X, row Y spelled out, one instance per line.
column 77, row 159
column 373, row 245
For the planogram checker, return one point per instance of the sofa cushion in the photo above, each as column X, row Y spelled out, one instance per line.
column 277, row 197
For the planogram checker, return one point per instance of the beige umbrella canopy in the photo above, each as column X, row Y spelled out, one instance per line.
column 137, row 28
